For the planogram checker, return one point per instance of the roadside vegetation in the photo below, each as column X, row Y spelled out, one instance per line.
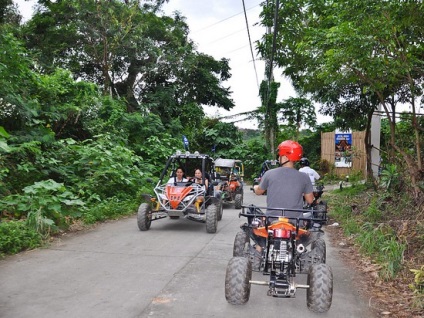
column 386, row 229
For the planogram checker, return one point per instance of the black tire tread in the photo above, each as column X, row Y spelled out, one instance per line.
column 237, row 277
column 239, row 244
column 211, row 218
column 320, row 292
column 143, row 217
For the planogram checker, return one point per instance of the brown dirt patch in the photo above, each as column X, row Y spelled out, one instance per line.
column 392, row 299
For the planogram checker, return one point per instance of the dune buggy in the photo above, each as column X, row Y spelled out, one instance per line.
column 231, row 173
column 187, row 199
column 266, row 165
column 290, row 246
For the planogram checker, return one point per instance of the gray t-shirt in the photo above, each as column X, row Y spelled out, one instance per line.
column 285, row 188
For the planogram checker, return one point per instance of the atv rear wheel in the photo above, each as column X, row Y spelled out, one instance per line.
column 237, row 277
column 211, row 218
column 144, row 216
column 238, row 201
column 239, row 243
column 319, row 250
column 320, row 292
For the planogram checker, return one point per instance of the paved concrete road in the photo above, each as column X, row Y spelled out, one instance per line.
column 175, row 270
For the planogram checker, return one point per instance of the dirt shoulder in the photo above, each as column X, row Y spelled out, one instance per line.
column 386, row 299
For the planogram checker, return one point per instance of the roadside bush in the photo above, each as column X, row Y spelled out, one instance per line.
column 363, row 215
column 110, row 209
column 17, row 237
column 45, row 205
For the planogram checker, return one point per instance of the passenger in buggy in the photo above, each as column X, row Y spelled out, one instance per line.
column 198, row 179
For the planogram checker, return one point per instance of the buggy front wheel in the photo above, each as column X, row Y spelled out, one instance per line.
column 144, row 217
column 211, row 218
column 238, row 201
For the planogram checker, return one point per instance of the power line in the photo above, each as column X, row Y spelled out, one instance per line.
column 250, row 44
column 213, row 24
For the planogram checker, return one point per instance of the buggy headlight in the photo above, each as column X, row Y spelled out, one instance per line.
column 188, row 198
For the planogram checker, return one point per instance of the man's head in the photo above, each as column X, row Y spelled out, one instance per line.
column 304, row 162
column 289, row 151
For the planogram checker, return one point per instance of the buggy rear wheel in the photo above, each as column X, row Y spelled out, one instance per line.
column 220, row 210
column 237, row 277
column 144, row 216
column 238, row 201
column 320, row 292
column 240, row 243
column 211, row 218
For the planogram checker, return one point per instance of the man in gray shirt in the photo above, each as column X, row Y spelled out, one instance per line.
column 286, row 187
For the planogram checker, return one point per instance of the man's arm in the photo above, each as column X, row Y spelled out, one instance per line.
column 258, row 190
column 316, row 175
column 309, row 197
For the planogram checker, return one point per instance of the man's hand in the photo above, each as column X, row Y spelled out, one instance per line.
column 257, row 190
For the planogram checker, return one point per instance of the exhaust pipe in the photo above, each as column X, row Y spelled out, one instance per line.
column 300, row 248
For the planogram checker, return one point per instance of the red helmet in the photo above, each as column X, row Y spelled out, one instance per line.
column 291, row 149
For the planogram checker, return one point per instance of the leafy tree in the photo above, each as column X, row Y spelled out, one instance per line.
column 216, row 138
column 330, row 50
column 297, row 112
column 131, row 53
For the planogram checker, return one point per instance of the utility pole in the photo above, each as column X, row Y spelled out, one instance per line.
column 270, row 115
column 375, row 141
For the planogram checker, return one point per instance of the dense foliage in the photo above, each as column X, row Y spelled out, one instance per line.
column 353, row 57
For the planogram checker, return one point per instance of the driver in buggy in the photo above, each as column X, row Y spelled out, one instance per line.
column 178, row 176
column 286, row 187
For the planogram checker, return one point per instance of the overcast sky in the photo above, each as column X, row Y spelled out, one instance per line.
column 218, row 27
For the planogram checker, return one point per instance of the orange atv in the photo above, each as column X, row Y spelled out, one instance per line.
column 185, row 199
column 289, row 247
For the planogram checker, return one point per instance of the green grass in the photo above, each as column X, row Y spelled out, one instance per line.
column 17, row 237
column 361, row 214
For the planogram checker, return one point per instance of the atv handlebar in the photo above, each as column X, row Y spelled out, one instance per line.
column 256, row 212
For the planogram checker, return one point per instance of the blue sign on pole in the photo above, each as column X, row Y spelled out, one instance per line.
column 185, row 142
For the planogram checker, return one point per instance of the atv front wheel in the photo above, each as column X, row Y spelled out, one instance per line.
column 237, row 277
column 239, row 243
column 144, row 216
column 238, row 201
column 211, row 218
column 320, row 292
column 319, row 250
column 320, row 211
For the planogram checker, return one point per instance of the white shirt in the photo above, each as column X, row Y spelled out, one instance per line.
column 174, row 179
column 313, row 175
